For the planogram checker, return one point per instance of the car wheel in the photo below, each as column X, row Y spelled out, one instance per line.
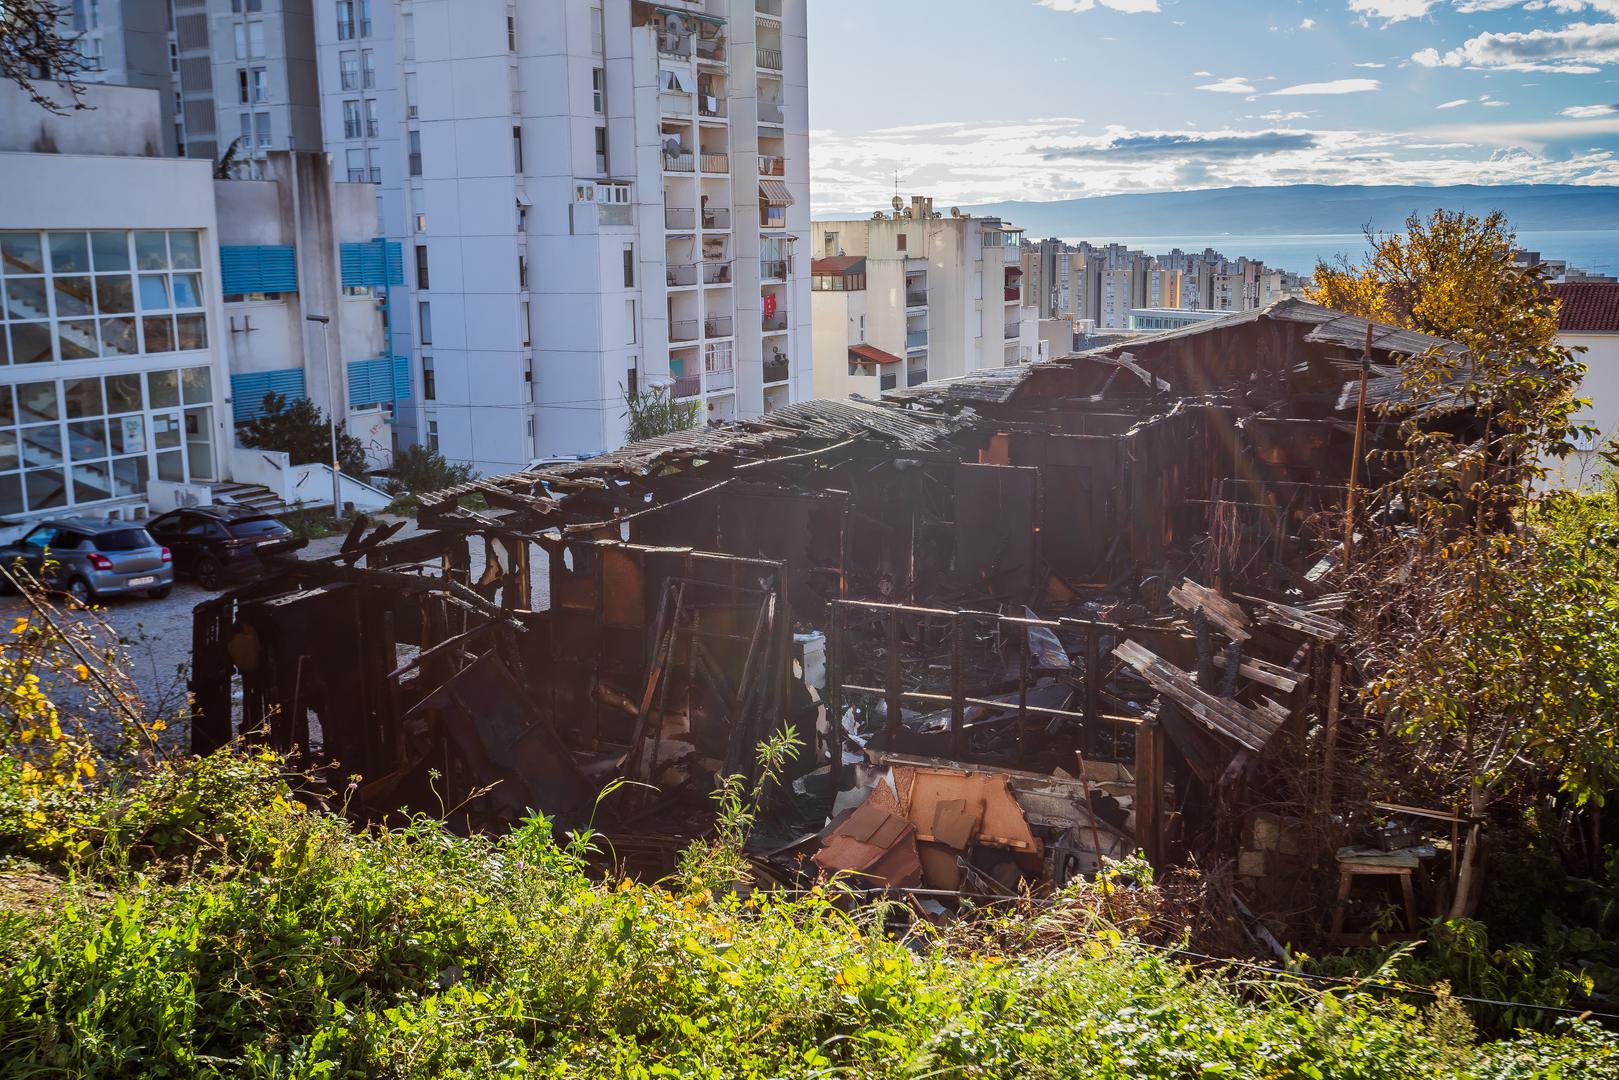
column 159, row 594
column 80, row 590
column 208, row 573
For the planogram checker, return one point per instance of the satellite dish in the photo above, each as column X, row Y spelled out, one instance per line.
column 897, row 202
column 955, row 211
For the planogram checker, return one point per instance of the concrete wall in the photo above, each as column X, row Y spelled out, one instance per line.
column 119, row 121
column 1601, row 384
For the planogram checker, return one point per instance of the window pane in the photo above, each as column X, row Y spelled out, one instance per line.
column 46, row 489
column 83, row 397
column 91, row 482
column 8, row 450
column 8, row 413
column 38, row 401
column 129, row 435
column 31, row 343
column 25, row 299
column 162, row 388
column 70, row 253
column 151, row 251
column 185, row 251
column 87, row 440
column 11, row 494
column 72, row 297
column 166, row 430
column 128, row 476
column 123, row 393
column 5, row 346
column 115, row 295
column 192, row 332
column 41, row 445
column 154, row 292
column 118, row 337
column 159, row 333
column 188, row 290
column 197, row 385
column 110, row 251
column 20, row 253
column 171, row 466
column 76, row 339
column 199, row 448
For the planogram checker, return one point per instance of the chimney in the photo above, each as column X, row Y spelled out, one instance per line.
column 921, row 209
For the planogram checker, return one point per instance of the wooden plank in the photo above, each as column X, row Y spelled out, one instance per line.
column 1306, row 622
column 1248, row 728
column 1231, row 619
column 1267, row 674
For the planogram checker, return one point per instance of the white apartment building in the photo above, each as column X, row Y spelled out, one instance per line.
column 129, row 43
column 594, row 196
column 112, row 370
column 944, row 293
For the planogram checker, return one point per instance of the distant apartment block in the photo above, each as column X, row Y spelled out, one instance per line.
column 915, row 295
column 593, row 198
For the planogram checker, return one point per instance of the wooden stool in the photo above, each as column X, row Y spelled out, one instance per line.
column 1349, row 871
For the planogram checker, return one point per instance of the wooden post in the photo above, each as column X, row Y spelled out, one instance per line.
column 1022, row 688
column 894, row 722
column 834, row 694
column 958, row 692
column 1150, row 791
column 1354, row 461
column 1093, row 688
column 1330, row 758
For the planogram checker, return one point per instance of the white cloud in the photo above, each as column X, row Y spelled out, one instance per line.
column 1579, row 48
column 1458, row 103
column 1371, row 64
column 1336, row 86
column 1391, row 11
column 1586, row 112
column 1306, row 24
column 1235, row 84
column 1204, row 74
column 1132, row 7
column 1279, row 117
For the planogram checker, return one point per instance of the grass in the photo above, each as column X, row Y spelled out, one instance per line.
column 202, row 922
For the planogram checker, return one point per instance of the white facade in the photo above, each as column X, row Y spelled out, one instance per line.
column 578, row 190
column 111, row 331
column 945, row 293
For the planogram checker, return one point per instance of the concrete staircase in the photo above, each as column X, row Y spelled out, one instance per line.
column 256, row 496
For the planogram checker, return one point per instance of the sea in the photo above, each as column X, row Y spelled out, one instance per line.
column 1595, row 250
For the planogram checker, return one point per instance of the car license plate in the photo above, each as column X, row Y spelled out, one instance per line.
column 148, row 580
column 267, row 543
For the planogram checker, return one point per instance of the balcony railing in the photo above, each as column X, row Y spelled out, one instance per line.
column 772, row 217
column 770, row 165
column 716, row 163
column 718, row 370
column 711, row 48
column 718, row 326
column 717, row 273
column 1011, row 331
column 777, row 370
column 771, row 324
column 717, row 217
column 680, row 274
column 710, row 106
column 674, row 103
column 681, row 162
column 683, row 330
column 721, row 380
column 768, row 7
column 675, row 45
column 916, row 378
column 916, row 339
column 686, row 386
column 770, row 59
column 773, row 269
column 771, row 112
column 679, row 217
column 916, row 299
column 1013, row 293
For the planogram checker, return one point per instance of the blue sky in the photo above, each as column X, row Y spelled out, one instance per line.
column 981, row 100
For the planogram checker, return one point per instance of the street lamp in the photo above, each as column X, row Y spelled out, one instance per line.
column 331, row 409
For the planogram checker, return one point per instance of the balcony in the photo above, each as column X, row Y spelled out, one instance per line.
column 777, row 369
column 678, row 162
column 717, row 273
column 916, row 299
column 710, row 107
column 716, row 163
column 769, row 59
column 773, row 269
column 679, row 218
column 717, row 218
column 686, row 386
column 683, row 330
column 675, row 45
column 681, row 275
column 770, row 165
column 718, row 326
column 775, row 323
column 771, row 112
column 1011, row 332
column 711, row 49
column 772, row 217
column 772, row 8
column 916, row 378
column 718, row 371
column 916, row 339
column 1013, row 294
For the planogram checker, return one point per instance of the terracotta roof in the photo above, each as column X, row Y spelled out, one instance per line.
column 839, row 264
column 1589, row 307
column 872, row 355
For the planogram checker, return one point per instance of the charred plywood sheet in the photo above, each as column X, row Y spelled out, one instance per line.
column 997, row 508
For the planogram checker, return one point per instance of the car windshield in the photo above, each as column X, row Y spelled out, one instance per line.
column 124, row 540
column 256, row 526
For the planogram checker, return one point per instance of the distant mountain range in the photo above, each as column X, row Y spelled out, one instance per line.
column 1309, row 209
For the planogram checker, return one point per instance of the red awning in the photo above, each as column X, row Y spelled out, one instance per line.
column 1014, row 271
column 872, row 355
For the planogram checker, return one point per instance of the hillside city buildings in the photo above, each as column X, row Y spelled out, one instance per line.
column 904, row 297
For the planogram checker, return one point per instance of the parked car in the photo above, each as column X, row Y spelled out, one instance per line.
column 92, row 559
column 222, row 544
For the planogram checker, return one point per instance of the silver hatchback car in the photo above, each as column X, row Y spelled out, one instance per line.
column 90, row 559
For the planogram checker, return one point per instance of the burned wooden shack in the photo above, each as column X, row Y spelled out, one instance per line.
column 1016, row 620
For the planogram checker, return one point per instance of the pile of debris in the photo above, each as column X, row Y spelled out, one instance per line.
column 1018, row 622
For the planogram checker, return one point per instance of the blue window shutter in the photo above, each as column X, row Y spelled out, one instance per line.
column 396, row 263
column 247, row 390
column 278, row 268
column 257, row 268
column 401, row 373
column 374, row 382
column 375, row 262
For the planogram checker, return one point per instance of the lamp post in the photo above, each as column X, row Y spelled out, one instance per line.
column 331, row 410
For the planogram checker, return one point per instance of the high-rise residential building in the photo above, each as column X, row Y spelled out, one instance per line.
column 943, row 293
column 130, row 43
column 263, row 78
column 594, row 197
